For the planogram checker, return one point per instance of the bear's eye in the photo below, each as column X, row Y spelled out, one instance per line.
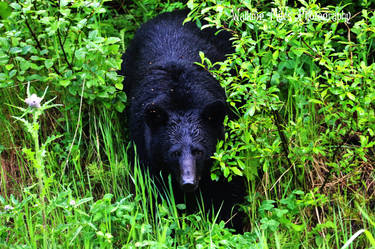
column 197, row 153
column 176, row 154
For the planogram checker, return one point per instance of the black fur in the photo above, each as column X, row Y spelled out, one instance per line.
column 176, row 108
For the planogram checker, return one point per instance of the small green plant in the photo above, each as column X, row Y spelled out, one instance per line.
column 36, row 156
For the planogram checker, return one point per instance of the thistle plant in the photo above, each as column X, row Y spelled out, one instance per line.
column 36, row 154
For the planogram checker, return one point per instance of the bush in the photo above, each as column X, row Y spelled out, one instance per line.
column 300, row 85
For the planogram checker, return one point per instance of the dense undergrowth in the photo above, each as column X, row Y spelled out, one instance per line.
column 301, row 86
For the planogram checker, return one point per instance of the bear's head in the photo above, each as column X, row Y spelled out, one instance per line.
column 181, row 142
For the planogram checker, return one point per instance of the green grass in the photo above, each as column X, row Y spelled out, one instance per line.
column 112, row 204
column 304, row 137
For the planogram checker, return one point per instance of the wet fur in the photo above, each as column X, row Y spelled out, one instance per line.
column 175, row 104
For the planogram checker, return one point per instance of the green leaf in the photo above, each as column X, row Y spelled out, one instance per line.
column 64, row 3
column 251, row 111
column 64, row 83
column 280, row 212
column 5, row 10
column 24, row 65
column 201, row 55
column 84, row 200
column 296, row 227
column 350, row 96
column 119, row 106
column 226, row 172
column 315, row 101
column 12, row 73
column 111, row 40
column 15, row 6
column 267, row 205
column 48, row 63
column 236, row 171
column 181, row 206
column 269, row 223
column 241, row 164
column 51, row 139
column 119, row 86
column 275, row 55
column 9, row 66
column 214, row 176
column 15, row 50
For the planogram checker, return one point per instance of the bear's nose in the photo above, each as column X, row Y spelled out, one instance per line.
column 189, row 187
column 188, row 180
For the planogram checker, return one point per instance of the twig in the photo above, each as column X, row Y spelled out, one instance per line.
column 61, row 43
column 318, row 217
column 63, row 50
column 36, row 40
column 284, row 141
column 351, row 52
column 76, row 131
column 326, row 177
column 67, row 31
column 318, row 55
column 279, row 179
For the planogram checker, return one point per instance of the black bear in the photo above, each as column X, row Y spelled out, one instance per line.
column 176, row 108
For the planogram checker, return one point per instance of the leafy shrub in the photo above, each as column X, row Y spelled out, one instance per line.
column 59, row 44
column 301, row 86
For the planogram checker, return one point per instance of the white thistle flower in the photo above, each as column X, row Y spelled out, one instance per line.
column 33, row 101
column 72, row 202
column 8, row 207
column 108, row 236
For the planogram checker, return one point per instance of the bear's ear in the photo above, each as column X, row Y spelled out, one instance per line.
column 155, row 116
column 214, row 112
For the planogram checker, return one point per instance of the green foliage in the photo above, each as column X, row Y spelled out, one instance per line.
column 301, row 90
column 300, row 85
column 60, row 44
